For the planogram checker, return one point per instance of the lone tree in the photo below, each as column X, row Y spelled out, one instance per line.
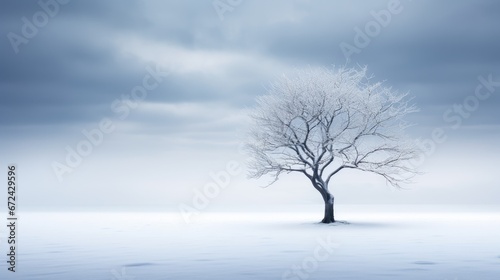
column 319, row 122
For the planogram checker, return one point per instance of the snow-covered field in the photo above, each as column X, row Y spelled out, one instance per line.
column 378, row 243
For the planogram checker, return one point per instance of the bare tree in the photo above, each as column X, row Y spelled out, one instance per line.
column 319, row 122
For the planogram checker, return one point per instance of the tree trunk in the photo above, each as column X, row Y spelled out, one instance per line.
column 329, row 214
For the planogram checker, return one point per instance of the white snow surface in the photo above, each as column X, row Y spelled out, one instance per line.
column 392, row 242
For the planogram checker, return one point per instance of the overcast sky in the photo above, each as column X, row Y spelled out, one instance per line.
column 204, row 64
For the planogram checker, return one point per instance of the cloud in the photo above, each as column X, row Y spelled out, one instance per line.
column 93, row 52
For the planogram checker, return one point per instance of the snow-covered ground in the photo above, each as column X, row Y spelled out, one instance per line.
column 378, row 243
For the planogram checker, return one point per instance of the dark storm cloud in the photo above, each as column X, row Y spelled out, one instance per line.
column 74, row 68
